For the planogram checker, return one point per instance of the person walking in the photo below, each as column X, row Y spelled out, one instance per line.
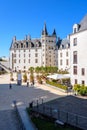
column 10, row 86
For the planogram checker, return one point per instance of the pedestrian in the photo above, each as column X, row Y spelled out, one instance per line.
column 27, row 84
column 33, row 83
column 10, row 86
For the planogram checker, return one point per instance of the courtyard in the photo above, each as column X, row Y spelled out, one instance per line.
column 23, row 96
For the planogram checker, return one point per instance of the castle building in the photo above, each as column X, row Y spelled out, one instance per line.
column 68, row 54
column 78, row 53
column 34, row 52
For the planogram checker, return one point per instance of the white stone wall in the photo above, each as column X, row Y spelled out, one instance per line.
column 81, row 49
column 64, row 57
column 20, row 66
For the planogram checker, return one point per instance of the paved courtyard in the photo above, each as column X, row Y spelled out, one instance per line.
column 23, row 95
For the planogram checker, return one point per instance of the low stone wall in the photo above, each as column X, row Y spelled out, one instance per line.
column 25, row 121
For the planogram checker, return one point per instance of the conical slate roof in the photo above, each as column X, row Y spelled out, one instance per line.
column 44, row 31
column 54, row 33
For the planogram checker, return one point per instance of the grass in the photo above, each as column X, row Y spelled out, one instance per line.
column 45, row 124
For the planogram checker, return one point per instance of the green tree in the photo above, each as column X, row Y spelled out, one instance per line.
column 31, row 69
column 25, row 77
column 31, row 78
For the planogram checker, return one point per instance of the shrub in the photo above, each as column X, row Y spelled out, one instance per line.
column 56, row 84
column 39, row 79
column 25, row 77
column 80, row 89
column 32, row 78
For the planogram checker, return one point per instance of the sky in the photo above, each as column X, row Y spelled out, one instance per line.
column 22, row 17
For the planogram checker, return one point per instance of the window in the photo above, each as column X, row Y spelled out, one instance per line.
column 36, row 55
column 67, row 62
column 60, row 62
column 14, row 55
column 67, row 53
column 83, row 71
column 36, row 60
column 75, row 70
column 74, row 41
column 19, row 55
column 24, row 60
column 24, row 67
column 74, row 30
column 24, row 55
column 36, row 50
column 29, row 55
column 83, row 82
column 29, row 60
column 27, row 44
column 19, row 61
column 14, row 60
column 76, row 81
column 17, row 45
column 75, row 57
column 21, row 45
column 60, row 54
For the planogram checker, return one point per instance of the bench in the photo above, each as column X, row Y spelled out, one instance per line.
column 59, row 122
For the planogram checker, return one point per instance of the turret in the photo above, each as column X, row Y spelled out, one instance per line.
column 54, row 33
column 14, row 39
column 44, row 31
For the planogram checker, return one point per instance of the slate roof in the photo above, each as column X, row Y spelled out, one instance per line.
column 64, row 43
column 83, row 23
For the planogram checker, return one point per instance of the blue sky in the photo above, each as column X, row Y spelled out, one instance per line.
column 21, row 17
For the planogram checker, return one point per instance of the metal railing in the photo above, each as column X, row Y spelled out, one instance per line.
column 64, row 116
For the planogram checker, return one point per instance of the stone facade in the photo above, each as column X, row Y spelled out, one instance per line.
column 78, row 53
column 34, row 52
column 64, row 55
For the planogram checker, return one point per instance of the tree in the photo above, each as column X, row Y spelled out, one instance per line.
column 31, row 78
column 25, row 77
column 31, row 69
column 38, row 70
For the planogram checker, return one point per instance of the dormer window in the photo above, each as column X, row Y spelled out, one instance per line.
column 21, row 45
column 67, row 46
column 74, row 30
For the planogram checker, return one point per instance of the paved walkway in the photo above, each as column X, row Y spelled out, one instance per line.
column 9, row 120
column 23, row 95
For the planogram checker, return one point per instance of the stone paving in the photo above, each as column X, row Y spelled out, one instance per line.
column 9, row 120
column 23, row 95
